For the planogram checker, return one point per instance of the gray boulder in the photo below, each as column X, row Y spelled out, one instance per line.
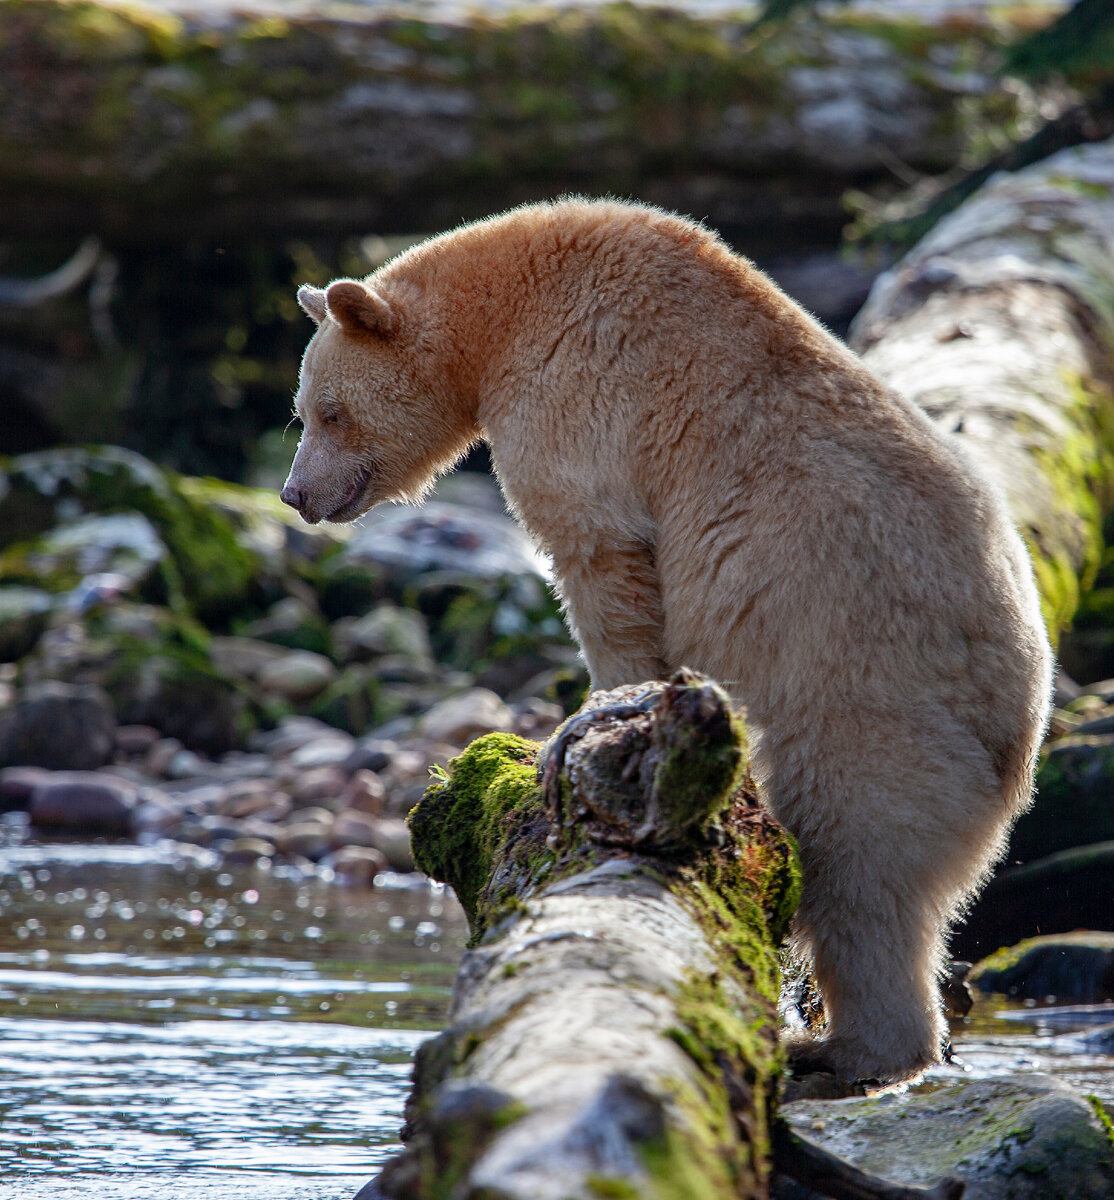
column 59, row 726
column 1029, row 1138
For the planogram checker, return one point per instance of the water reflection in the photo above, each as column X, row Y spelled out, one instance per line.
column 169, row 1027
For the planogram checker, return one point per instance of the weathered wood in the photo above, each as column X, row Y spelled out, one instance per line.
column 1000, row 324
column 613, row 1030
column 141, row 125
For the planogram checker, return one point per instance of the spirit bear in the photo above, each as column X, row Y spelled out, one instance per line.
column 722, row 484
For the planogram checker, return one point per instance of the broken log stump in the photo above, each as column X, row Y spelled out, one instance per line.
column 614, row 1026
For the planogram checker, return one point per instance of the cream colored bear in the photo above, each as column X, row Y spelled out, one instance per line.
column 721, row 484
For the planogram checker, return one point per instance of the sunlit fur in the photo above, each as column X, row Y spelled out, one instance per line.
column 723, row 485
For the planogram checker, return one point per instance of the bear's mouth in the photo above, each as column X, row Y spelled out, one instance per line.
column 353, row 505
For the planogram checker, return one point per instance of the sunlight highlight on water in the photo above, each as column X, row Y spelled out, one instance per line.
column 170, row 1028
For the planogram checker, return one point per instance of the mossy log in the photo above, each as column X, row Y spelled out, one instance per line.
column 142, row 125
column 1000, row 324
column 613, row 1030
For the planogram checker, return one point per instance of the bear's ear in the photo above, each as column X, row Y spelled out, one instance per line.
column 312, row 300
column 354, row 306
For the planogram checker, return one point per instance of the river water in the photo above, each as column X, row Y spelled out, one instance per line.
column 169, row 1028
column 172, row 1028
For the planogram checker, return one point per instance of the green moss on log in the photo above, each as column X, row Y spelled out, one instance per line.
column 701, row 772
column 464, row 822
column 1079, row 467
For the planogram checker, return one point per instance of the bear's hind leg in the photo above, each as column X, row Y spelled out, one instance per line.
column 893, row 844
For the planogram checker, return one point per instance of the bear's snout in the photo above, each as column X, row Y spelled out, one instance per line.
column 293, row 495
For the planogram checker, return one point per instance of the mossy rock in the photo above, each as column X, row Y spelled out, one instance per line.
column 1027, row 1138
column 155, row 666
column 208, row 571
column 350, row 589
column 478, row 622
column 173, row 686
column 1074, row 968
column 93, row 556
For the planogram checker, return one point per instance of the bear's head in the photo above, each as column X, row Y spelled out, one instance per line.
column 378, row 420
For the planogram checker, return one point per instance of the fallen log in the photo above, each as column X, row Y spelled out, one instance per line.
column 614, row 1028
column 1000, row 324
column 142, row 125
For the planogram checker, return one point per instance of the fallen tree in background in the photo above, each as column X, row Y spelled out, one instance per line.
column 1000, row 324
column 141, row 125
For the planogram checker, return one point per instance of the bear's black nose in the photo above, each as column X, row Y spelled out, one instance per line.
column 294, row 496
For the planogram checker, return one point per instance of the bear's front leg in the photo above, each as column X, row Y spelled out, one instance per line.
column 611, row 596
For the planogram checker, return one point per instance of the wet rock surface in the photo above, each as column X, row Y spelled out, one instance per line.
column 1007, row 1139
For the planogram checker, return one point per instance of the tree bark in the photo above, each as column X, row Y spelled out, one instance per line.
column 1000, row 324
column 614, row 1028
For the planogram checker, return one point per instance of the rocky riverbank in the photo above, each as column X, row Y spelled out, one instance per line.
column 182, row 659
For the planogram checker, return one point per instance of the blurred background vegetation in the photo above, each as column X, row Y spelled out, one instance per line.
column 167, row 179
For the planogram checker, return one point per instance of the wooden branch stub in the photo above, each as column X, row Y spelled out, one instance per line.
column 647, row 767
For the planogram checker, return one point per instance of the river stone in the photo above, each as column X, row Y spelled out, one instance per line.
column 354, row 828
column 247, row 850
column 85, row 803
column 211, row 830
column 355, row 866
column 59, row 726
column 160, row 755
column 1076, row 968
column 297, row 676
column 332, row 750
column 309, row 839
column 243, row 657
column 291, row 733
column 1097, row 1041
column 186, row 764
column 1022, row 1138
column 392, row 839
column 365, row 792
column 315, row 785
column 156, row 816
column 134, row 741
column 248, row 798
column 371, row 754
column 385, row 630
column 24, row 612
column 459, row 719
column 17, row 785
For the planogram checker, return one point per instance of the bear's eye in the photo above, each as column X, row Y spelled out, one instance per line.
column 330, row 417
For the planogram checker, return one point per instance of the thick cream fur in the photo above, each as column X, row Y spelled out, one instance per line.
column 721, row 484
